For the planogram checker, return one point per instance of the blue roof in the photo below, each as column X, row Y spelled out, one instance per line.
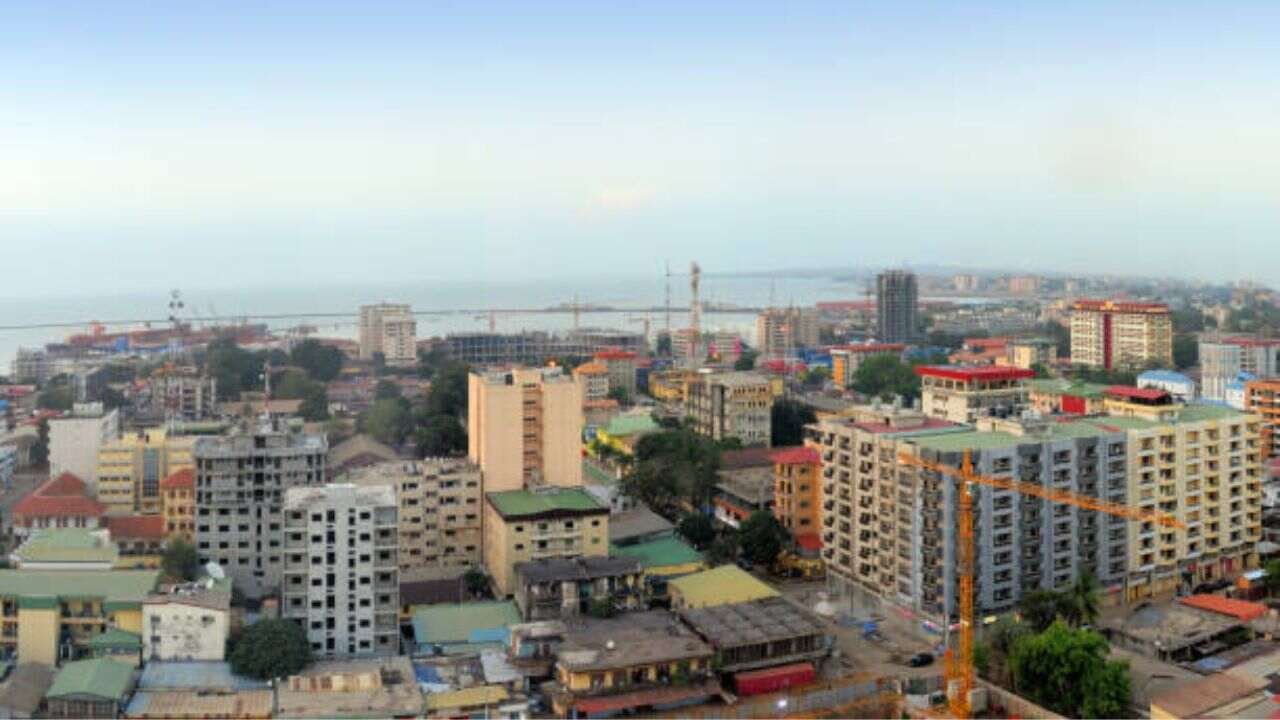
column 1165, row 376
column 194, row 675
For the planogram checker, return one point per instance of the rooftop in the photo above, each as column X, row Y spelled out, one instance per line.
column 122, row 586
column 631, row 424
column 641, row 638
column 1199, row 697
column 199, row 704
column 184, row 479
column 466, row 623
column 638, row 522
column 297, row 498
column 116, row 638
column 1127, row 392
column 102, row 677
column 969, row 373
column 870, row 348
column 1062, row 386
column 67, row 545
column 751, row 623
column 1170, row 376
column 363, row 688
column 746, row 457
column 591, row 368
column 1238, row 609
column 540, row 503
column 137, row 527
column 721, row 585
column 195, row 675
column 802, row 455
column 63, row 496
column 663, row 552
column 1121, row 306
column 481, row 695
column 24, row 690
column 579, row 568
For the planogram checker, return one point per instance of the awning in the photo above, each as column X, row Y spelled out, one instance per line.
column 645, row 698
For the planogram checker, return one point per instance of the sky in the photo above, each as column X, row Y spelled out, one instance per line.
column 210, row 145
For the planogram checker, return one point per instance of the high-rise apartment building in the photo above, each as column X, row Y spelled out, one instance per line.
column 389, row 329
column 732, row 405
column 1121, row 334
column 182, row 394
column 594, row 379
column 897, row 307
column 440, row 510
column 1223, row 360
column 780, row 331
column 890, row 527
column 131, row 469
column 1263, row 398
column 74, row 441
column 621, row 368
column 341, row 570
column 240, row 484
column 524, row 426
column 1024, row 285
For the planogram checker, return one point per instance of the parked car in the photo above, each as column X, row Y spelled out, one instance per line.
column 920, row 660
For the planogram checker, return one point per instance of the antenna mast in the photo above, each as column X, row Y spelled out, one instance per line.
column 695, row 314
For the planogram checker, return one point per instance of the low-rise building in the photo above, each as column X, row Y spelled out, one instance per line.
column 119, row 645
column 846, row 359
column 356, row 453
column 1052, row 396
column 718, row 586
column 188, row 621
column 565, row 588
column 66, row 549
column 1179, row 386
column 524, row 525
column 1029, row 353
column 621, row 367
column 96, row 688
column 140, row 538
column 177, row 503
column 22, row 694
column 732, row 405
column 463, row 629
column 50, row 615
column 638, row 524
column 353, row 688
column 624, row 431
column 745, row 484
column 341, row 541
column 594, row 379
column 759, row 633
column 60, row 502
column 963, row 394
column 662, row 559
column 638, row 663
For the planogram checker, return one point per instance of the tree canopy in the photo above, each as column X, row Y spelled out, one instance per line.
column 322, row 362
column 885, row 376
column 788, row 419
column 271, row 649
column 698, row 529
column 746, row 360
column 1066, row 670
column 672, row 464
column 180, row 562
column 762, row 537
column 388, row 421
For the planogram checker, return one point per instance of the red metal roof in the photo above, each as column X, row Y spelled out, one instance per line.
column 986, row 342
column 136, row 527
column 809, row 541
column 871, row 348
column 184, row 479
column 1135, row 393
column 968, row 373
column 802, row 455
column 615, row 355
column 1239, row 609
column 1121, row 306
column 1252, row 342
column 63, row 496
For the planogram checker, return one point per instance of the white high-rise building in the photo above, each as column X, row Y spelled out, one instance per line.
column 74, row 442
column 389, row 329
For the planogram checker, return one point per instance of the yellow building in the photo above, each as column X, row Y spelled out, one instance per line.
column 718, row 586
column 1029, row 352
column 525, row 427
column 178, row 501
column 522, row 525
column 594, row 379
column 49, row 615
column 1201, row 464
column 670, row 386
column 131, row 469
column 797, row 491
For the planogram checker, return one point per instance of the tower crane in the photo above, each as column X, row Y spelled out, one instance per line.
column 959, row 662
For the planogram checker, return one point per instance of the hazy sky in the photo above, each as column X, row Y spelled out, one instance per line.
column 149, row 145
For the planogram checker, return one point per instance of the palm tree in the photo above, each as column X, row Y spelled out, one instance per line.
column 1080, row 601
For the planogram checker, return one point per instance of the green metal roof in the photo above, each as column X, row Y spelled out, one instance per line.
column 520, row 503
column 102, row 677
column 463, row 623
column 631, row 424
column 1062, row 386
column 67, row 545
column 118, row 586
column 658, row 553
column 116, row 638
column 597, row 474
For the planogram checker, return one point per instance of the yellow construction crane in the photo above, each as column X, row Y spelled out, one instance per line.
column 959, row 662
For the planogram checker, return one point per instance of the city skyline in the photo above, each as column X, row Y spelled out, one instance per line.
column 412, row 143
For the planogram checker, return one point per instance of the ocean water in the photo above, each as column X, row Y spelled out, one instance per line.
column 469, row 301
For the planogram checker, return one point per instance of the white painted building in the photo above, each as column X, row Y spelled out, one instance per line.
column 1181, row 387
column 74, row 442
column 190, row 621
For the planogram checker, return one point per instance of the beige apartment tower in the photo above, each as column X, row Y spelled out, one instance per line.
column 1121, row 334
column 391, row 330
column 524, row 427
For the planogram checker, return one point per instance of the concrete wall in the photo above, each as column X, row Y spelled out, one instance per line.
column 177, row 631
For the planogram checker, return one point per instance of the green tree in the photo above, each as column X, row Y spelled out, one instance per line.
column 601, row 608
column 1066, row 670
column 271, row 649
column 181, row 563
column 1273, row 576
column 40, row 450
column 388, row 421
column 697, row 529
column 379, row 363
column 673, row 464
column 448, row 395
column 885, row 376
column 788, row 419
column 746, row 360
column 1080, row 602
column 648, row 483
column 1040, row 370
column 439, row 435
column 58, row 394
column 386, row 390
column 619, row 394
column 1186, row 351
column 322, row 362
column 477, row 583
column 315, row 404
column 235, row 368
column 762, row 537
column 1040, row 608
column 291, row 384
column 725, row 548
column 663, row 346
column 816, row 377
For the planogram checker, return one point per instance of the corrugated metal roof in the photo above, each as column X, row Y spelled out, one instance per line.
column 720, row 586
column 1240, row 609
column 103, row 677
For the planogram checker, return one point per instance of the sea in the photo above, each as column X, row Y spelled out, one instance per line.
column 462, row 305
